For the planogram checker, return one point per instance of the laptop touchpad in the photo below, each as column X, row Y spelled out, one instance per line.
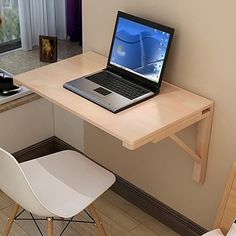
column 102, row 91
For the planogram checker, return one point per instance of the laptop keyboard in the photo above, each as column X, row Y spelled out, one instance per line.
column 117, row 85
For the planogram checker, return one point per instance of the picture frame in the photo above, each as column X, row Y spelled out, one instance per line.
column 47, row 48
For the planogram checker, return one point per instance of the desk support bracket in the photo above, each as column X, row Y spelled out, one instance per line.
column 186, row 148
column 202, row 146
column 200, row 155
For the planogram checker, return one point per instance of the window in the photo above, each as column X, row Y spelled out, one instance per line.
column 10, row 25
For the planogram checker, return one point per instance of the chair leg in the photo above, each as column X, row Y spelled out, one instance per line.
column 7, row 227
column 97, row 220
column 49, row 226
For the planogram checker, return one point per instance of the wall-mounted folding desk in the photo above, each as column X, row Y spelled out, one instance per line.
column 150, row 121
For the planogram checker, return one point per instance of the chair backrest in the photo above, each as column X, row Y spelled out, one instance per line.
column 227, row 210
column 14, row 183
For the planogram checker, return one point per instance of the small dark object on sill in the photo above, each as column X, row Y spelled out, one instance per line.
column 7, row 87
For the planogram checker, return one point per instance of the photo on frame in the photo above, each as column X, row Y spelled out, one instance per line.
column 47, row 48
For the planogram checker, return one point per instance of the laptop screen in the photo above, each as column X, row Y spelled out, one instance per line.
column 140, row 47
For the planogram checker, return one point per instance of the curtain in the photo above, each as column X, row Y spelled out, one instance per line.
column 74, row 19
column 41, row 17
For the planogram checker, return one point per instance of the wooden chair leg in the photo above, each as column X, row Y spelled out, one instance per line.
column 97, row 220
column 7, row 227
column 49, row 226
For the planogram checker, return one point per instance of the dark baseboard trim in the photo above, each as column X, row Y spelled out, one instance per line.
column 42, row 148
column 60, row 145
column 157, row 209
column 130, row 192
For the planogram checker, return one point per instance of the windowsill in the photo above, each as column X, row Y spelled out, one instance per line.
column 11, row 45
column 19, row 61
column 22, row 97
column 19, row 102
column 23, row 92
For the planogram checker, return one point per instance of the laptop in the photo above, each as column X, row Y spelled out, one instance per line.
column 135, row 66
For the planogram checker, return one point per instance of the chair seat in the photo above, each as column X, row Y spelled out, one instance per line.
column 66, row 182
column 216, row 232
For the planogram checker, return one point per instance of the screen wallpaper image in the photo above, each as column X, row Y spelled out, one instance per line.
column 139, row 48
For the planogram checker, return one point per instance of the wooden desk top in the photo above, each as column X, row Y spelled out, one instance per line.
column 152, row 120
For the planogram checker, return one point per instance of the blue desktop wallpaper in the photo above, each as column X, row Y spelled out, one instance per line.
column 139, row 49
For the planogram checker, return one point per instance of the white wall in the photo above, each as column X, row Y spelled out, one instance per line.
column 33, row 122
column 69, row 128
column 202, row 59
column 36, row 121
column 26, row 125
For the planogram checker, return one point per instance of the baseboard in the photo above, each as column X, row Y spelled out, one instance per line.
column 42, row 148
column 157, row 209
column 130, row 192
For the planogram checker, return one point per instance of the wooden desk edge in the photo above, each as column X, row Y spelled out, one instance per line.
column 200, row 155
column 172, row 129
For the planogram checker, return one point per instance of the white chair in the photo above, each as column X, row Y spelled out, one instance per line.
column 57, row 185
